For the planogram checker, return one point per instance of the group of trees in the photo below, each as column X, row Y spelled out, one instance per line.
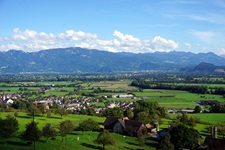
column 144, row 111
column 9, row 127
column 148, row 112
column 33, row 133
column 190, row 88
column 218, row 108
column 88, row 125
column 182, row 135
column 186, row 120
column 143, row 84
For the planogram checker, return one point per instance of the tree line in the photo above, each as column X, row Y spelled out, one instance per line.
column 200, row 89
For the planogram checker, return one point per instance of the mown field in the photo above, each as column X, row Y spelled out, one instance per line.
column 173, row 99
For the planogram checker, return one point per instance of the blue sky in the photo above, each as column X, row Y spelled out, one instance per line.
column 137, row 26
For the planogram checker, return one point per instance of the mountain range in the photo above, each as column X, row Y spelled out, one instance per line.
column 80, row 60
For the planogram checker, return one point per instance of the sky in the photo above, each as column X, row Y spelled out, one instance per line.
column 137, row 26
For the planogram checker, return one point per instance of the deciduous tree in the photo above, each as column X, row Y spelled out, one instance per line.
column 184, row 137
column 129, row 113
column 61, row 112
column 165, row 143
column 33, row 110
column 105, row 138
column 48, row 131
column 198, row 109
column 66, row 127
column 88, row 125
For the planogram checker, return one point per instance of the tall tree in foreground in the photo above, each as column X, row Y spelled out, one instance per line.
column 183, row 137
column 105, row 138
column 32, row 133
column 8, row 127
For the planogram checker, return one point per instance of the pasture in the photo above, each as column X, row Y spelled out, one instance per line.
column 85, row 142
column 74, row 140
column 114, row 85
column 173, row 99
column 206, row 118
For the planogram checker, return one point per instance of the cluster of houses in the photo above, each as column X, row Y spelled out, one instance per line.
column 7, row 99
column 78, row 104
column 73, row 104
column 68, row 103
column 121, row 104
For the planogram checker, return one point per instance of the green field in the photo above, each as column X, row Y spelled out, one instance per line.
column 85, row 140
column 176, row 99
column 114, row 85
column 207, row 118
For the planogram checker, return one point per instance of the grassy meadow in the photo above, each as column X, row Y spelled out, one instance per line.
column 86, row 140
column 173, row 99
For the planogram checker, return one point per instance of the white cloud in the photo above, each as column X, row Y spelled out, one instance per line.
column 188, row 45
column 126, row 38
column 26, row 35
column 163, row 44
column 128, row 43
column 30, row 40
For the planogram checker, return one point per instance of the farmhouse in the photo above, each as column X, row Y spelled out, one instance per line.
column 124, row 126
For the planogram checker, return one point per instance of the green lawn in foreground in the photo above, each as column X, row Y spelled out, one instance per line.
column 85, row 140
